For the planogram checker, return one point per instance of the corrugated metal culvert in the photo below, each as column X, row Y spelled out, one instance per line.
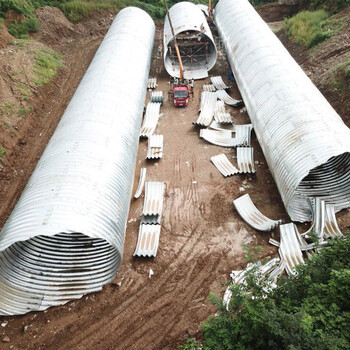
column 305, row 142
column 65, row 236
column 195, row 40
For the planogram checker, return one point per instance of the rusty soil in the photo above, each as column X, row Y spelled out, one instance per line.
column 202, row 236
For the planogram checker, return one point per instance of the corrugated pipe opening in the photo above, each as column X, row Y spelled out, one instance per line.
column 329, row 181
column 51, row 270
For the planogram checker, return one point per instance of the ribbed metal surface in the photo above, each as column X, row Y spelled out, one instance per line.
column 331, row 228
column 243, row 134
column 148, row 240
column 152, row 83
column 252, row 216
column 208, row 87
column 141, row 184
column 223, row 137
column 305, row 142
column 157, row 96
column 187, row 17
column 153, row 204
column 208, row 103
column 65, row 236
column 220, row 114
column 289, row 249
column 224, row 96
column 219, row 83
column 155, row 147
column 222, row 127
column 225, row 167
column 245, row 159
column 150, row 120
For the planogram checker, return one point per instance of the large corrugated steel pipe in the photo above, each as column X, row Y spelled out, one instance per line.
column 305, row 142
column 65, row 236
column 195, row 40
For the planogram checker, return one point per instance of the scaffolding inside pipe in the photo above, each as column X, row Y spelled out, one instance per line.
column 195, row 41
column 65, row 237
column 305, row 142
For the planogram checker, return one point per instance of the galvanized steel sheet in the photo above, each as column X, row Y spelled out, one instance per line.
column 225, row 167
column 65, row 236
column 252, row 216
column 150, row 120
column 224, row 96
column 187, row 17
column 219, row 83
column 289, row 249
column 155, row 147
column 208, row 103
column 148, row 240
column 245, row 159
column 303, row 139
column 141, row 184
column 154, row 194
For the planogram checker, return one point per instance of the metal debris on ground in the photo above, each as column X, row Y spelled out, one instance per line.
column 220, row 137
column 266, row 274
column 221, row 115
column 141, row 183
column 224, row 96
column 245, row 160
column 225, row 167
column 153, row 203
column 148, row 240
column 244, row 134
column 157, row 96
column 289, row 248
column 152, row 83
column 222, row 127
column 324, row 222
column 208, row 102
column 150, row 120
column 155, row 147
column 208, row 87
column 219, row 83
column 252, row 216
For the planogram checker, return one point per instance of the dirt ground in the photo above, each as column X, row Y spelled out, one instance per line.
column 201, row 237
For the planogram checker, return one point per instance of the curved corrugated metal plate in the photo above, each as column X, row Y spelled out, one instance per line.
column 187, row 17
column 305, row 142
column 252, row 216
column 65, row 236
column 225, row 167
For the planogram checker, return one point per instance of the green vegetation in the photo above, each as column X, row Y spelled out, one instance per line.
column 311, row 28
column 23, row 111
column 46, row 64
column 331, row 6
column 6, row 124
column 310, row 310
column 2, row 152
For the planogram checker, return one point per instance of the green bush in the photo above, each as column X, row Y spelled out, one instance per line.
column 2, row 152
column 310, row 310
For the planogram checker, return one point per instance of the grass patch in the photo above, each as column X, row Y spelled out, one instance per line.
column 23, row 111
column 6, row 124
column 311, row 28
column 9, row 108
column 2, row 152
column 46, row 65
column 25, row 91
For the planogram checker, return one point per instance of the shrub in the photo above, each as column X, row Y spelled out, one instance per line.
column 310, row 310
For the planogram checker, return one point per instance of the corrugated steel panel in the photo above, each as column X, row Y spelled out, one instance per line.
column 65, row 236
column 245, row 159
column 150, row 120
column 252, row 216
column 142, row 180
column 331, row 228
column 208, row 102
column 222, row 127
column 152, row 83
column 148, row 240
column 225, row 167
column 289, row 249
column 153, row 204
column 224, row 96
column 220, row 114
column 157, row 96
column 187, row 17
column 222, row 137
column 219, row 83
column 243, row 134
column 305, row 142
column 155, row 147
column 208, row 87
